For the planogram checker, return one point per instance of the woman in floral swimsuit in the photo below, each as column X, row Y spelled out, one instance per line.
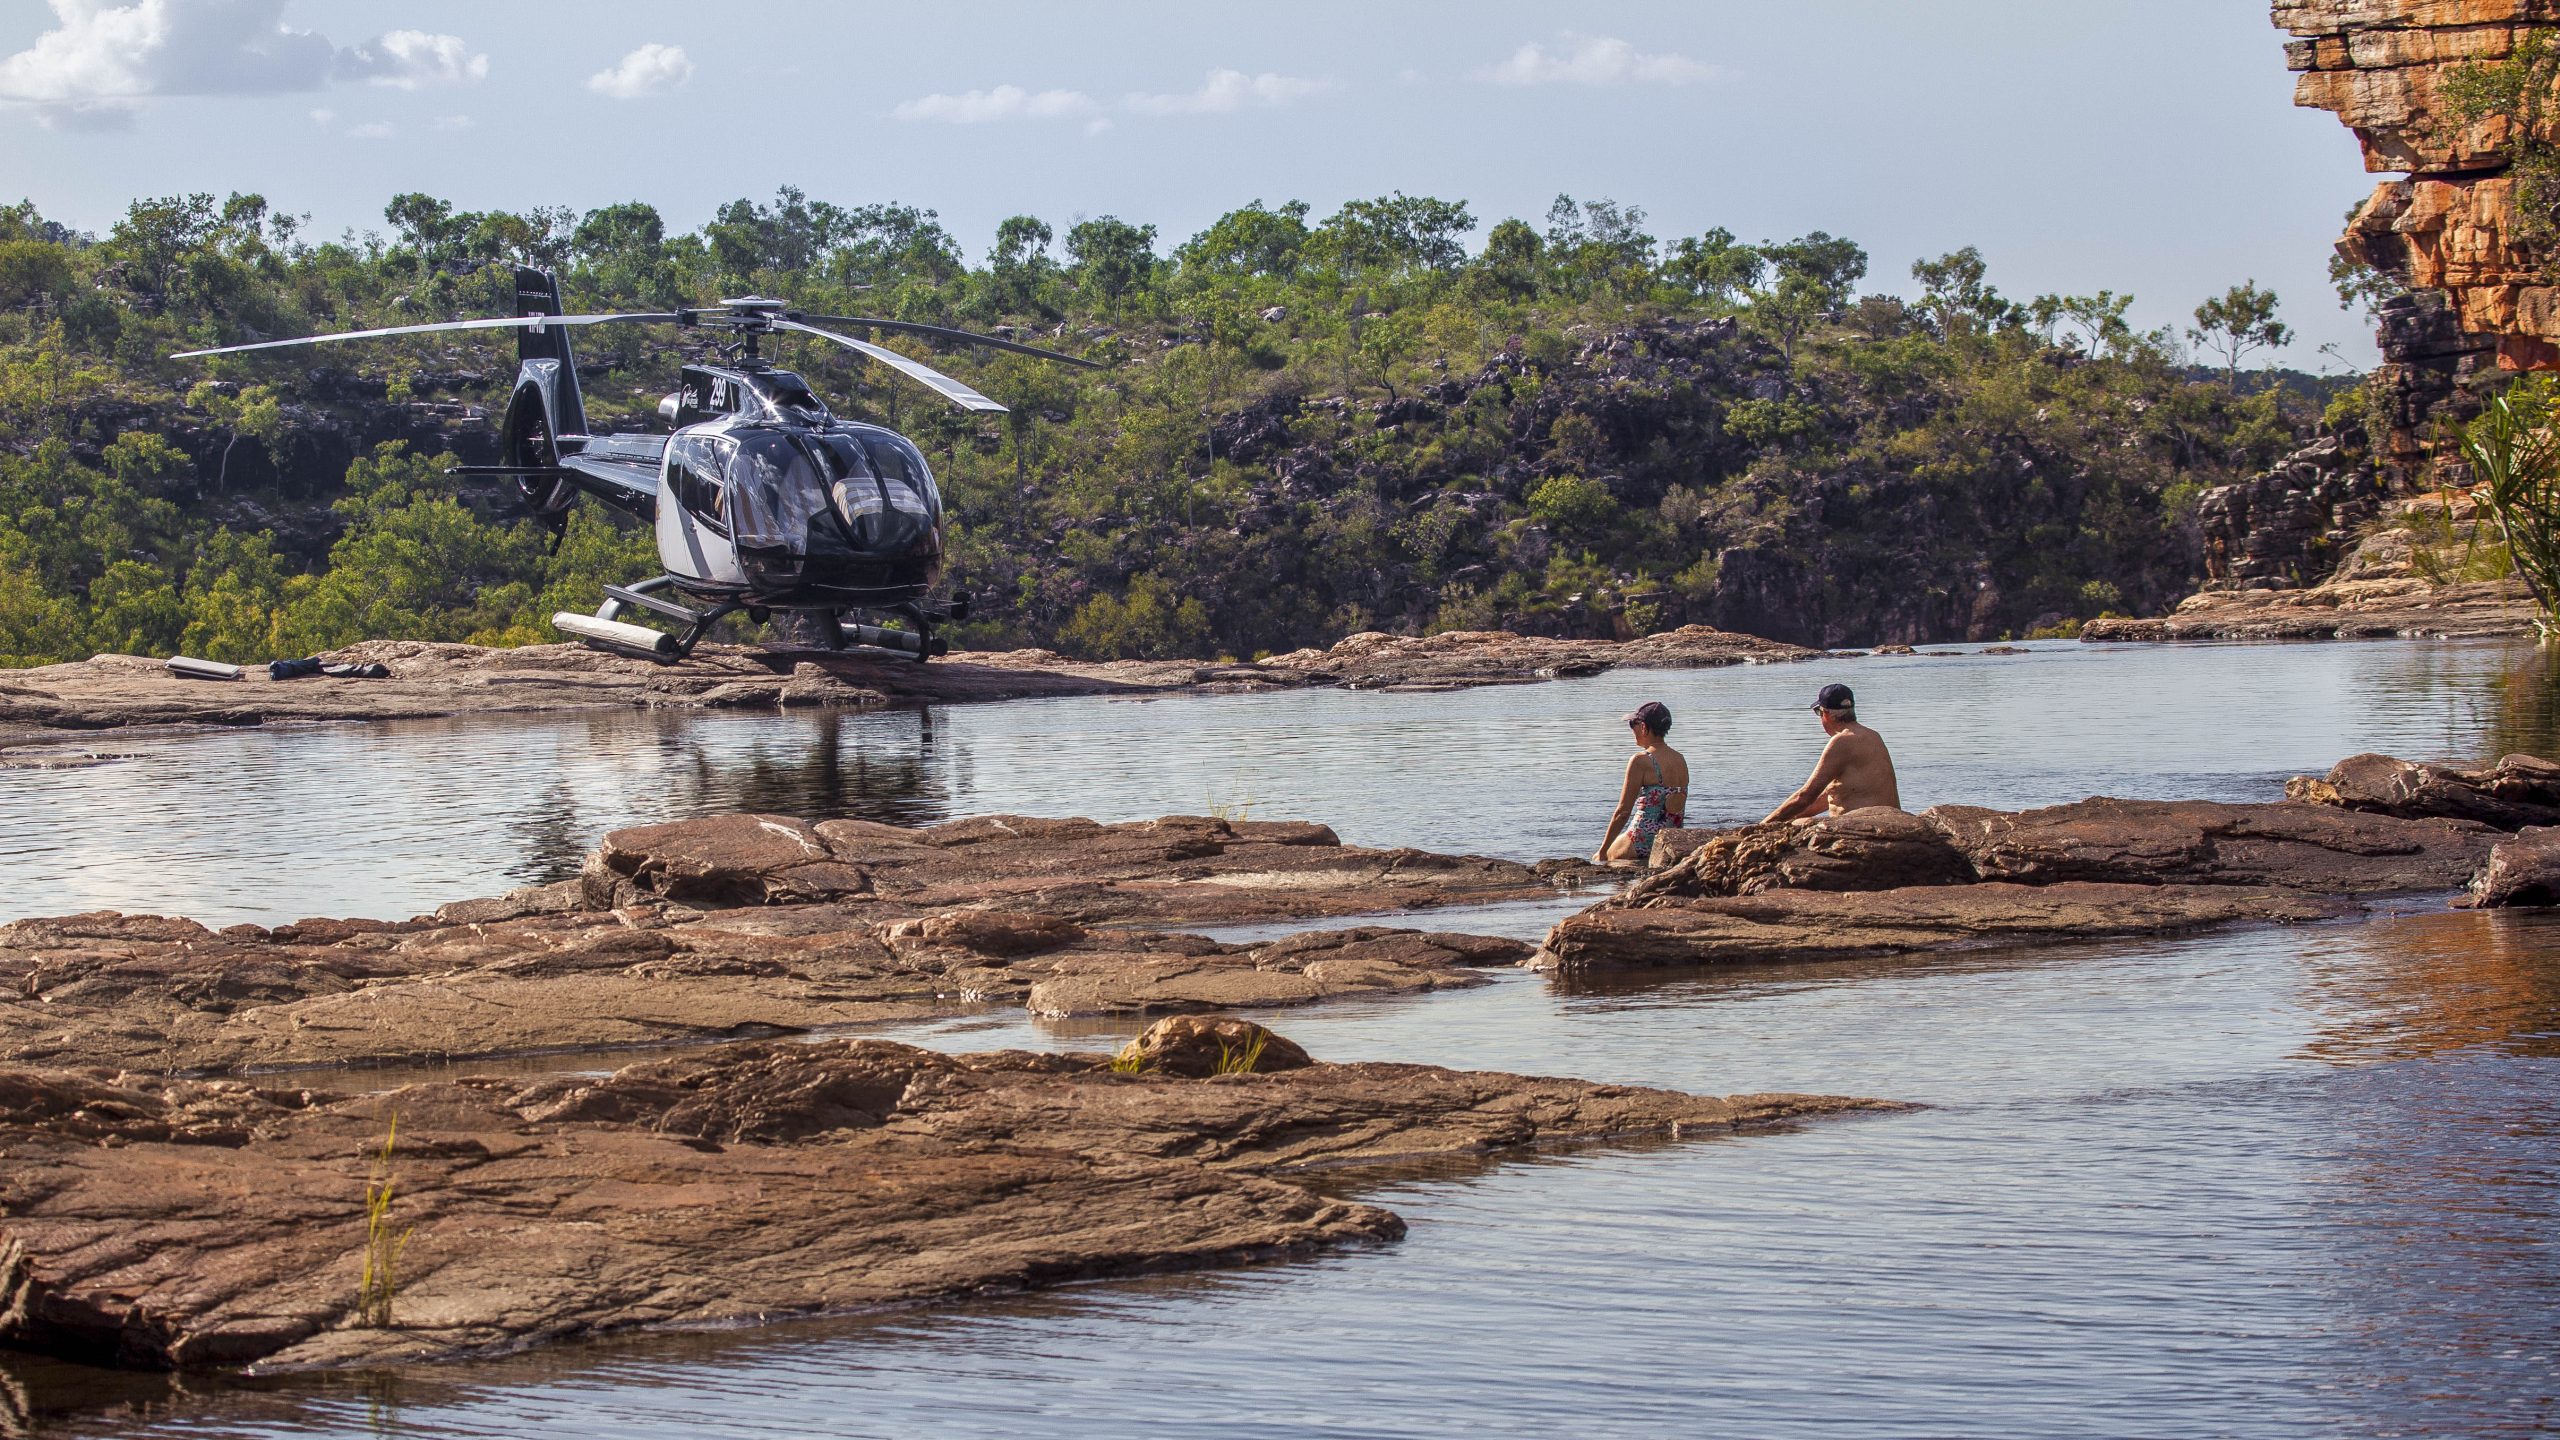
column 1655, row 796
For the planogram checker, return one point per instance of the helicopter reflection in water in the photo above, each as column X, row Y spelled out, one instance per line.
column 879, row 766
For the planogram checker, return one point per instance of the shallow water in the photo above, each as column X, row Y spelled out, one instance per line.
column 2271, row 1182
column 267, row 825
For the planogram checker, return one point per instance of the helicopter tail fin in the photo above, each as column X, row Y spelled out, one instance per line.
column 538, row 293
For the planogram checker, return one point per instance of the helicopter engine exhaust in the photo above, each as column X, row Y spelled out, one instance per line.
column 637, row 640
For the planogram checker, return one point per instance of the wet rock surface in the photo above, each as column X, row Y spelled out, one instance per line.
column 1955, row 877
column 152, row 1222
column 740, row 926
column 430, row 679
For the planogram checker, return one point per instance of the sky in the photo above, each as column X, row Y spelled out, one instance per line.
column 2142, row 146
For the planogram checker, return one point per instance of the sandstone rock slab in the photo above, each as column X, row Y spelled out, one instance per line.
column 209, row 1224
column 1796, row 925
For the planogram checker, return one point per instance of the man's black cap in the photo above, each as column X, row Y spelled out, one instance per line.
column 1835, row 697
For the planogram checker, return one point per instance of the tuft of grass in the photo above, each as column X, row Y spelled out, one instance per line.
column 1241, row 1061
column 1231, row 809
column 1130, row 1061
column 383, row 1241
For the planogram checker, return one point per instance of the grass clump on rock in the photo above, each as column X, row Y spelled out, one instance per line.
column 383, row 1240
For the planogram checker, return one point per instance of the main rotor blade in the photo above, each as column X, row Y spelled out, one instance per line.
column 512, row 322
column 939, row 332
column 923, row 374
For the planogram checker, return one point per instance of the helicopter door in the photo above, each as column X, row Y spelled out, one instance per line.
column 693, row 533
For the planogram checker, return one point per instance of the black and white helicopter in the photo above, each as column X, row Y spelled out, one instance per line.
column 763, row 501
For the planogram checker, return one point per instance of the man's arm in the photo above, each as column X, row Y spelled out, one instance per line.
column 1808, row 796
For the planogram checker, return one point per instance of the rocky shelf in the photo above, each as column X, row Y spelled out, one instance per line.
column 174, row 1223
column 2339, row 610
column 430, row 680
column 1883, row 882
column 757, row 925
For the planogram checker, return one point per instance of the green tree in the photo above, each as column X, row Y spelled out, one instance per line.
column 1111, row 259
column 2236, row 322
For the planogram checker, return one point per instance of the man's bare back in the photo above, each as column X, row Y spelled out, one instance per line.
column 1855, row 771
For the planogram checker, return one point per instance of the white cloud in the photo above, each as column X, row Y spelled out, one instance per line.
column 1226, row 91
column 372, row 130
column 323, row 117
column 1005, row 102
column 103, row 57
column 411, row 60
column 650, row 70
column 1596, row 60
column 101, row 51
column 452, row 122
column 1221, row 92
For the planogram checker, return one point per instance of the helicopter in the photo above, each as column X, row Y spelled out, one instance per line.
column 762, row 500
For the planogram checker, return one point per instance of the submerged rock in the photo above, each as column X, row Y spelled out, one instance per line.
column 165, row 1223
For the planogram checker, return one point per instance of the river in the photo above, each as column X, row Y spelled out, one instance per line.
column 2270, row 1182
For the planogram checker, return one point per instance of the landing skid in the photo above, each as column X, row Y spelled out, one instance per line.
column 606, row 629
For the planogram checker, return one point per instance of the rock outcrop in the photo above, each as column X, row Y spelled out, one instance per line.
column 2383, row 67
column 2339, row 610
column 2524, row 871
column 2518, row 791
column 738, row 926
column 1875, row 882
column 2286, row 552
column 173, row 1223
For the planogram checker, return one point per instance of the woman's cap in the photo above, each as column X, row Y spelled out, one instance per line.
column 1835, row 697
column 1653, row 715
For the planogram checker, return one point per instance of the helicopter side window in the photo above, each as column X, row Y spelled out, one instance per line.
column 694, row 466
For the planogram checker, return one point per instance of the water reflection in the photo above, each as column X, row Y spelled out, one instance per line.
column 2417, row 985
column 2526, row 719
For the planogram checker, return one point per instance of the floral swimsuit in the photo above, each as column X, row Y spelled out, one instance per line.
column 1654, row 811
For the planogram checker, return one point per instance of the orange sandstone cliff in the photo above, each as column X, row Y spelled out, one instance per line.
column 2448, row 224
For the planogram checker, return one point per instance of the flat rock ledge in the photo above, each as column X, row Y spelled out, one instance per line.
column 1883, row 882
column 2340, row 610
column 430, row 680
column 209, row 1224
column 743, row 926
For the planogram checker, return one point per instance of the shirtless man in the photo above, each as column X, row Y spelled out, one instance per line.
column 1855, row 770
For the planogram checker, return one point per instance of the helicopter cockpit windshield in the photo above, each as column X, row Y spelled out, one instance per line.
column 846, row 492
